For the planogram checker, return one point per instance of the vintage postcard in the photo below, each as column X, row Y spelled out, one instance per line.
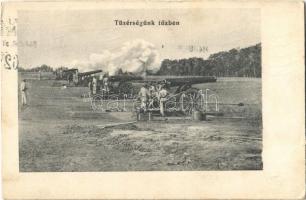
column 153, row 100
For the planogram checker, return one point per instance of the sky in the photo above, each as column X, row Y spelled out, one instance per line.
column 70, row 37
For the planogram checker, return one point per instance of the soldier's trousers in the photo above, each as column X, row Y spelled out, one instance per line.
column 23, row 98
column 162, row 106
column 143, row 104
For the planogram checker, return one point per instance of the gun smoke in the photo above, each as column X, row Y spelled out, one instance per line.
column 135, row 56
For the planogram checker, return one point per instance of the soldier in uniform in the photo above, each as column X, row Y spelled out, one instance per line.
column 143, row 95
column 90, row 85
column 163, row 93
column 23, row 88
column 105, row 83
column 94, row 85
column 152, row 95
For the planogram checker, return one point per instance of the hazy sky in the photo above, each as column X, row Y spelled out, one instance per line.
column 63, row 37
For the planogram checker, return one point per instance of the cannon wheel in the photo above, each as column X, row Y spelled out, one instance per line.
column 97, row 102
column 171, row 104
column 191, row 101
column 193, row 92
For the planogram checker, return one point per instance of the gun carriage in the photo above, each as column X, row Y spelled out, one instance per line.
column 182, row 95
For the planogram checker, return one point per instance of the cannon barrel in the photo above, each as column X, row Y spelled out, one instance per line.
column 123, row 78
column 89, row 73
column 70, row 70
column 190, row 80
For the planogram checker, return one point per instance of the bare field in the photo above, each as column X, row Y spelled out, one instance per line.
column 60, row 132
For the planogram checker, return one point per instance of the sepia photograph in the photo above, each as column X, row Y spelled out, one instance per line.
column 139, row 90
column 153, row 99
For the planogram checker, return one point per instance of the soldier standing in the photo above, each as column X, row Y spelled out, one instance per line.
column 105, row 83
column 163, row 97
column 23, row 88
column 152, row 90
column 152, row 95
column 143, row 95
column 94, row 85
column 90, row 86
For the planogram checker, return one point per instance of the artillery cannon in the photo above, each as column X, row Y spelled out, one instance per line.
column 130, row 84
column 65, row 74
column 180, row 88
column 183, row 96
column 74, row 76
column 85, row 77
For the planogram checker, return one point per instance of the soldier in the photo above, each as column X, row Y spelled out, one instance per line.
column 152, row 90
column 90, row 85
column 105, row 83
column 159, row 86
column 143, row 95
column 163, row 93
column 70, row 78
column 152, row 95
column 23, row 88
column 75, row 78
column 94, row 85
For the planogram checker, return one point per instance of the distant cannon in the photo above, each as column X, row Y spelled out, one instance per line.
column 83, row 74
column 65, row 74
column 85, row 77
column 126, row 84
column 71, row 75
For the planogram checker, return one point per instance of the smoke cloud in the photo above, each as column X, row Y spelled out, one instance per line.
column 134, row 56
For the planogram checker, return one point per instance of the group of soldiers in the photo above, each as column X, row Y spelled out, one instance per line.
column 152, row 93
column 95, row 86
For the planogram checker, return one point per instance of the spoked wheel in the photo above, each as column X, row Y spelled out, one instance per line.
column 190, row 100
column 171, row 104
column 153, row 103
column 97, row 102
column 186, row 104
column 196, row 99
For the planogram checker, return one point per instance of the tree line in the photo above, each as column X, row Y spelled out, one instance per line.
column 245, row 62
column 42, row 68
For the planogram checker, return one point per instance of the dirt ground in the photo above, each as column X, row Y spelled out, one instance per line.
column 58, row 131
